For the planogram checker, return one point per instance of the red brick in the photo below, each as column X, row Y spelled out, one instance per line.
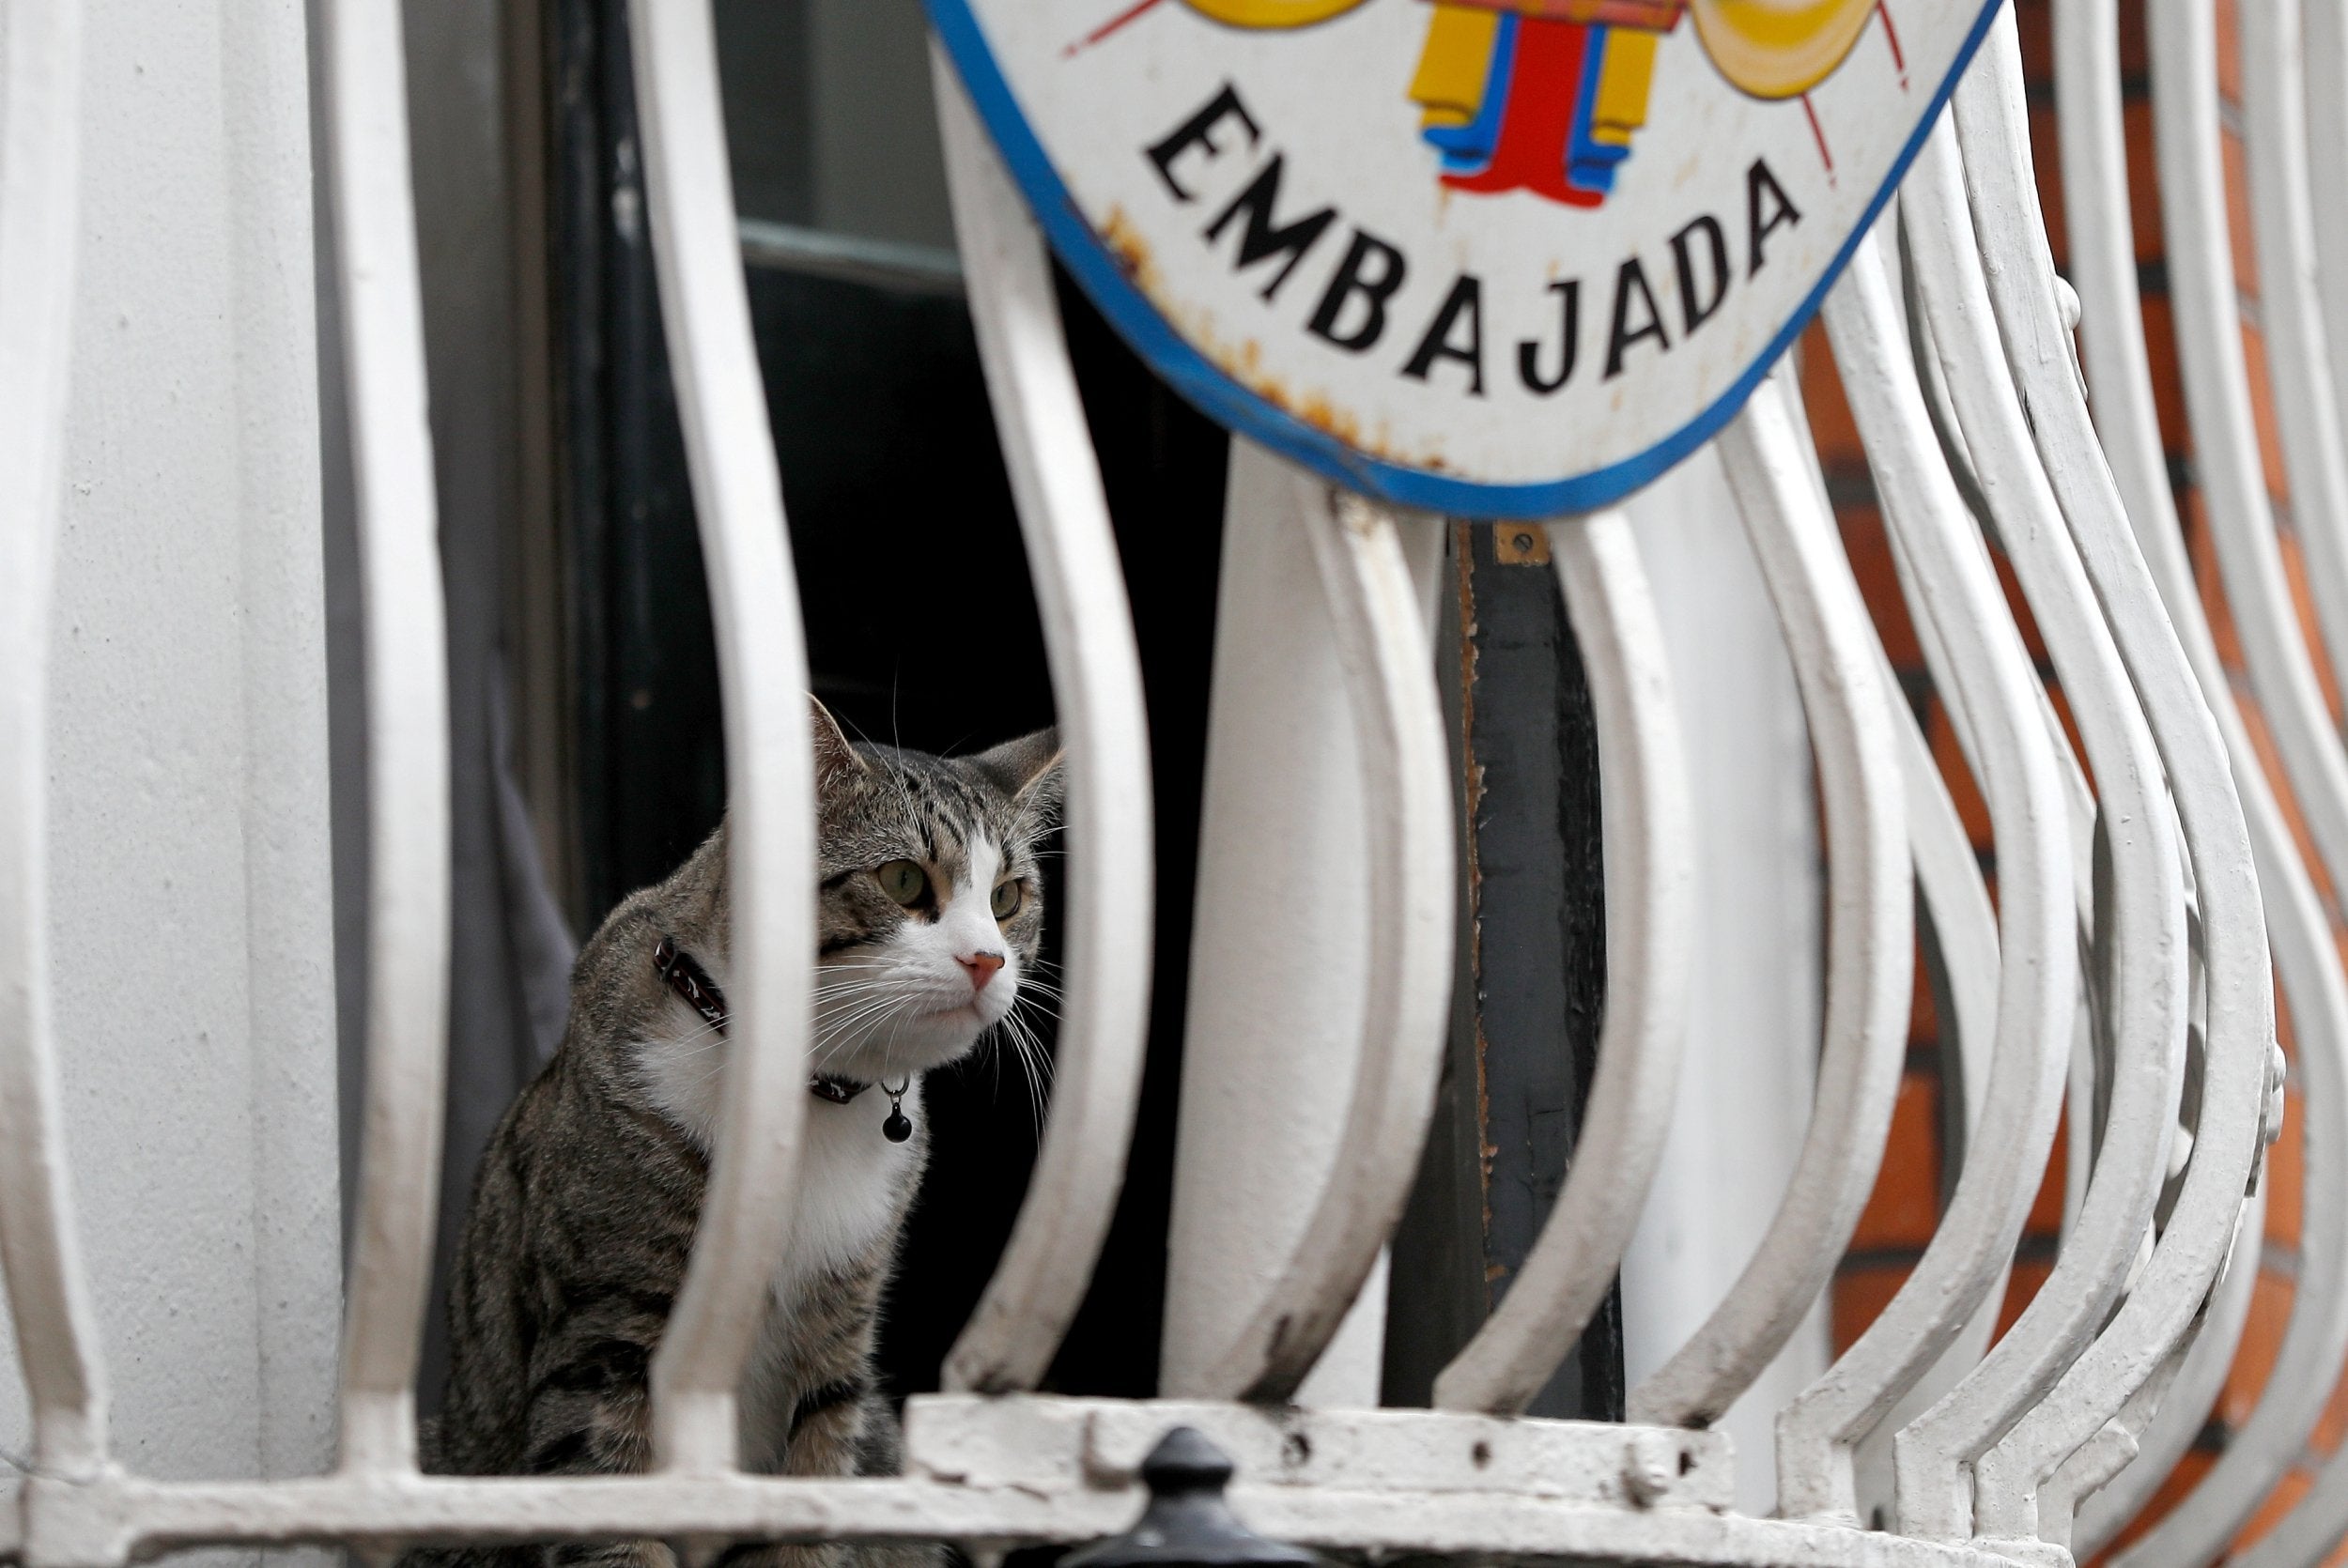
column 2170, row 1492
column 1860, row 1296
column 2204, row 553
column 2285, row 1494
column 1923, row 1019
column 2021, row 1286
column 2236, row 160
column 2229, row 51
column 2160, row 351
column 2285, row 1176
column 2033, row 20
column 2270, row 759
column 2032, row 639
column 2136, row 54
column 2254, row 1358
column 2045, row 1209
column 2061, row 702
column 2046, row 153
column 2262, row 414
column 2303, row 604
column 1869, row 552
column 1831, row 421
column 1972, row 809
column 1905, row 1207
column 2333, row 1423
column 2143, row 173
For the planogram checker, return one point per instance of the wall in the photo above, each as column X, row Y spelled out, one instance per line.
column 189, row 884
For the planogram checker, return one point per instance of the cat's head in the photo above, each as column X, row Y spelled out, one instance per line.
column 931, row 897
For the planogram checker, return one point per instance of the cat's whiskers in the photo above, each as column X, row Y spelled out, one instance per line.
column 840, row 1033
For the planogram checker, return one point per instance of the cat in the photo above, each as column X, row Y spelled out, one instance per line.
column 586, row 1199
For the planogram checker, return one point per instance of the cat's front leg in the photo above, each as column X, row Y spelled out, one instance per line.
column 591, row 1414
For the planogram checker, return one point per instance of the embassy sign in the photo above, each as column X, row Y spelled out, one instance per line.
column 1501, row 258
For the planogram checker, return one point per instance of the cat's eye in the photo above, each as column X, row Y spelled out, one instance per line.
column 903, row 880
column 1008, row 898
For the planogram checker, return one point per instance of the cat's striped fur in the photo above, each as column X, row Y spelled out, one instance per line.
column 586, row 1200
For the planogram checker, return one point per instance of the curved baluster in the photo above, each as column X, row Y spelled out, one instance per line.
column 2141, row 921
column 1097, row 686
column 2201, row 1227
column 2093, row 146
column 2100, row 1505
column 1650, row 914
column 1874, row 1454
column 2282, row 226
column 1383, row 647
column 2280, row 116
column 1948, row 872
column 1096, row 682
column 2308, row 409
column 762, row 661
column 2039, row 975
column 2325, row 53
column 406, row 686
column 39, row 221
column 1964, row 928
column 2077, row 796
column 1848, row 697
column 2217, row 403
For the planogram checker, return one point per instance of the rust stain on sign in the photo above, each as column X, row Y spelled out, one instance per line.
column 1133, row 257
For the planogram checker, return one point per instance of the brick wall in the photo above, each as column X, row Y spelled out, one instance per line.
column 1900, row 1216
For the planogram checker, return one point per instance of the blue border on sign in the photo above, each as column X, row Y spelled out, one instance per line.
column 1229, row 403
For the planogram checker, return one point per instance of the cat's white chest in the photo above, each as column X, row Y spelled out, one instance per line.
column 851, row 1176
column 851, row 1183
column 851, row 1186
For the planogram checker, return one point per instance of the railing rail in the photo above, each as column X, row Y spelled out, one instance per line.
column 408, row 829
column 2139, row 882
column 1096, row 675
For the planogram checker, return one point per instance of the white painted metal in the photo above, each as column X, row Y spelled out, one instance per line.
column 2309, row 413
column 2140, row 924
column 1991, row 677
column 40, row 66
column 2240, row 1073
column 2326, row 74
column 2100, row 1503
column 1749, row 1067
column 1273, row 1017
column 2292, row 319
column 1964, row 928
column 761, row 662
column 112, row 1522
column 1386, row 665
column 1849, row 701
column 1096, row 679
column 406, row 682
column 1012, row 1467
column 2202, row 290
column 2103, row 261
column 1650, row 913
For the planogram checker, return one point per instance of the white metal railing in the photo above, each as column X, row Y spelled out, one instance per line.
column 2140, row 884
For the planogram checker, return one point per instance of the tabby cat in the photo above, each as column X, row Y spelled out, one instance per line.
column 585, row 1203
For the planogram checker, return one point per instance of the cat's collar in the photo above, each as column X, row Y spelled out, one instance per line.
column 690, row 980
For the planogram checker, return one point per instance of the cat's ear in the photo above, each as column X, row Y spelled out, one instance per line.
column 1027, row 769
column 836, row 760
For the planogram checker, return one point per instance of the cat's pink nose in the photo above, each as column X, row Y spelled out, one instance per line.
column 981, row 967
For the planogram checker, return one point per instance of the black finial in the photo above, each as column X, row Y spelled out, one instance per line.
column 1187, row 1524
